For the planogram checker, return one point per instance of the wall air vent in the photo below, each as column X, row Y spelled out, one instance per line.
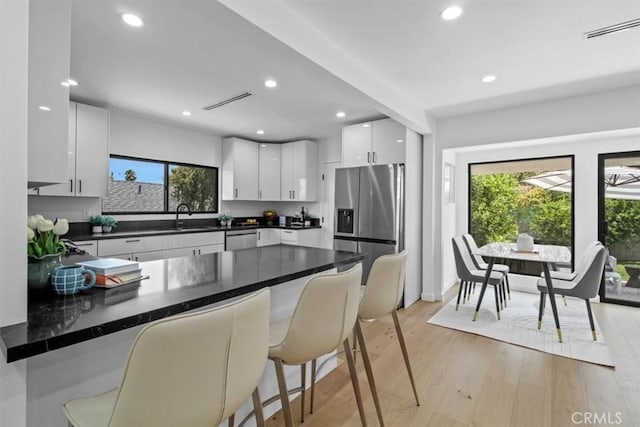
column 226, row 101
column 613, row 29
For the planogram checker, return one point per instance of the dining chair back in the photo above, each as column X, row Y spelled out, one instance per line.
column 473, row 247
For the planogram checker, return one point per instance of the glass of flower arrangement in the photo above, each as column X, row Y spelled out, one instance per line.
column 44, row 250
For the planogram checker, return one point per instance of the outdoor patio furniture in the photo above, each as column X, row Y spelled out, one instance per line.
column 634, row 275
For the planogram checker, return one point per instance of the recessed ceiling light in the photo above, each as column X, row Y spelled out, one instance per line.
column 488, row 78
column 450, row 13
column 69, row 82
column 270, row 83
column 366, row 125
column 44, row 108
column 133, row 20
column 341, row 114
column 260, row 132
column 263, row 145
column 186, row 113
column 398, row 140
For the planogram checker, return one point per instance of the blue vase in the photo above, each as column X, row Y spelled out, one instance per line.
column 39, row 270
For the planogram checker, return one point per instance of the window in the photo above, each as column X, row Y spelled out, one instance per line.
column 533, row 196
column 152, row 186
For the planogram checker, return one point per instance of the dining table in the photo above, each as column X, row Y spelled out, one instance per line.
column 547, row 255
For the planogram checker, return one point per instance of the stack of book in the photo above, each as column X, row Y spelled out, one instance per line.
column 112, row 272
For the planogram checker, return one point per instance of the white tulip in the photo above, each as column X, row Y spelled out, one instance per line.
column 32, row 222
column 61, row 227
column 40, row 217
column 45, row 225
column 30, row 234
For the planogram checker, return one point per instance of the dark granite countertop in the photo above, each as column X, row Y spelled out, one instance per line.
column 170, row 231
column 175, row 285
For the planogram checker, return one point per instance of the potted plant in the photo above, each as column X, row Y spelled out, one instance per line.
column 44, row 250
column 102, row 223
column 225, row 220
column 108, row 223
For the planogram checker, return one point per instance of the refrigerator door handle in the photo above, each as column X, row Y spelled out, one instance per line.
column 368, row 157
column 374, row 157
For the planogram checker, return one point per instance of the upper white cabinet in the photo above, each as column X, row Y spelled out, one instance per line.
column 376, row 142
column 299, row 180
column 269, row 172
column 87, row 154
column 49, row 64
column 240, row 166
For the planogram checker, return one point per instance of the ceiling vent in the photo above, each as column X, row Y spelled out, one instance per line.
column 613, row 29
column 226, row 101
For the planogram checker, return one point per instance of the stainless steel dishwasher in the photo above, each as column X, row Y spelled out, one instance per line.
column 241, row 239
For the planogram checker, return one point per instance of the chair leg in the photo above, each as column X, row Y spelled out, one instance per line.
column 506, row 279
column 593, row 326
column 313, row 383
column 473, row 289
column 541, row 309
column 354, row 380
column 257, row 408
column 231, row 421
column 284, row 396
column 495, row 291
column 405, row 354
column 368, row 370
column 465, row 294
column 459, row 294
column 303, row 384
column 504, row 290
column 501, row 295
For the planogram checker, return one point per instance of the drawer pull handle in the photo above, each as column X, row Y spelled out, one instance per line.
column 85, row 244
column 132, row 241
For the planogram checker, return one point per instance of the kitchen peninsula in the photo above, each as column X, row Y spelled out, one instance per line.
column 174, row 286
column 78, row 345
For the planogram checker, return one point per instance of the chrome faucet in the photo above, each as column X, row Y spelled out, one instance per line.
column 178, row 222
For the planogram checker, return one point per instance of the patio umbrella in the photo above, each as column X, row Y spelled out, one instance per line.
column 621, row 182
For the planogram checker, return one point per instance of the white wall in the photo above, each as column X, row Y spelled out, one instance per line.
column 523, row 126
column 413, row 217
column 14, row 22
column 448, row 224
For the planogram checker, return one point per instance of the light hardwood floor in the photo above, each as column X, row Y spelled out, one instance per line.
column 465, row 379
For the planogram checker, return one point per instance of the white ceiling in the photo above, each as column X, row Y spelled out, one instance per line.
column 195, row 52
column 536, row 48
column 192, row 53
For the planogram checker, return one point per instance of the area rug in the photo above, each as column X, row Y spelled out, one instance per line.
column 519, row 325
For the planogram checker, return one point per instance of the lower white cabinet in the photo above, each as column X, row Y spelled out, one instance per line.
column 89, row 246
column 152, row 248
column 308, row 237
column 268, row 236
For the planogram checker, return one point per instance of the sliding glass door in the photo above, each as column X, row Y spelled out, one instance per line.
column 619, row 230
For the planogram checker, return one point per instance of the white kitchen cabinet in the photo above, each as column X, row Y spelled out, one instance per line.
column 209, row 249
column 388, row 142
column 89, row 246
column 304, row 237
column 299, row 170
column 377, row 142
column 269, row 172
column 356, row 145
column 268, row 236
column 147, row 256
column 49, row 64
column 88, row 154
column 109, row 247
column 240, row 166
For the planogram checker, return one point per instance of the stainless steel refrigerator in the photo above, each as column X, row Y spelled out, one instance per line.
column 369, row 211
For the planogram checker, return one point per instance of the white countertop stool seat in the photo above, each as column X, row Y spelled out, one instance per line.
column 194, row 369
column 322, row 321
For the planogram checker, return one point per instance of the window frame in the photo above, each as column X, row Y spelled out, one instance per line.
column 165, row 164
column 573, row 192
